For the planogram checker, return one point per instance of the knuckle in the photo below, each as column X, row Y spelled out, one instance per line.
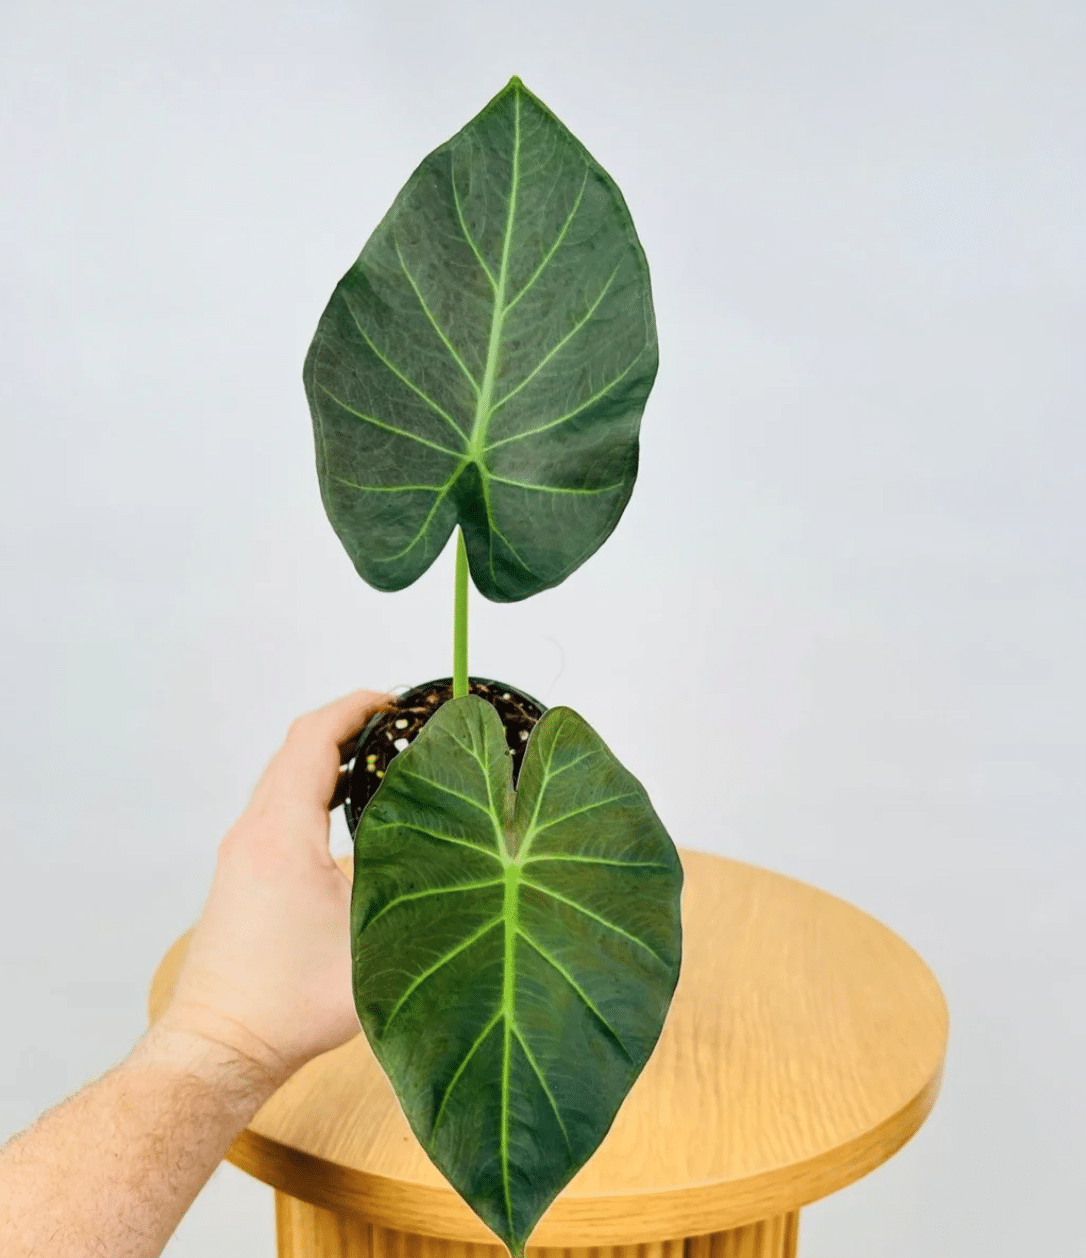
column 234, row 841
column 301, row 728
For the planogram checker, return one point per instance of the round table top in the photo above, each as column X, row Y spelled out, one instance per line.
column 803, row 1048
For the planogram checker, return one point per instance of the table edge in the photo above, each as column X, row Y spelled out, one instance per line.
column 578, row 1221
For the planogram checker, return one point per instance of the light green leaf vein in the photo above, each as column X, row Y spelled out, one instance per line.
column 380, row 423
column 433, row 969
column 503, row 1148
column 594, row 860
column 579, row 812
column 509, row 545
column 434, row 834
column 468, row 749
column 547, row 775
column 425, row 527
column 602, row 921
column 448, row 790
column 554, row 248
column 471, row 751
column 570, row 764
column 467, row 235
column 556, row 489
column 561, row 344
column 462, row 1067
column 577, row 410
column 424, row 895
column 542, row 1083
column 434, row 406
column 435, row 325
column 389, row 489
column 582, row 994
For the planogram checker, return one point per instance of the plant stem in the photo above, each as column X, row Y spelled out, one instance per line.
column 460, row 621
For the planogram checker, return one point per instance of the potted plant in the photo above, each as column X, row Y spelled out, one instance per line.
column 483, row 368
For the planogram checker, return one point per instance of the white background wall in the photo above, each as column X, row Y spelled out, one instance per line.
column 839, row 631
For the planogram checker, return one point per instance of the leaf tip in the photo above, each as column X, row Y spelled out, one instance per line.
column 515, row 82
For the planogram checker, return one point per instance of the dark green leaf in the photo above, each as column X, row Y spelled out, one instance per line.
column 486, row 361
column 515, row 953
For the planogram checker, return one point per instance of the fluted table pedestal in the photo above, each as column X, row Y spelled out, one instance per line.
column 306, row 1231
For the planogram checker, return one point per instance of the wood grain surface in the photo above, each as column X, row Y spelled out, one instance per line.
column 306, row 1231
column 803, row 1048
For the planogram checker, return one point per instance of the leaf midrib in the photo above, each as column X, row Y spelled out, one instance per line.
column 484, row 400
column 511, row 916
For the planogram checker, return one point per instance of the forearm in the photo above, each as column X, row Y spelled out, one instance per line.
column 265, row 987
column 112, row 1170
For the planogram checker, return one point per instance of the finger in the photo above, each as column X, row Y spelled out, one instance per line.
column 341, row 719
column 305, row 769
column 343, row 787
column 349, row 745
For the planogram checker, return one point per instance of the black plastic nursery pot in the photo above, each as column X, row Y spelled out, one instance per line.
column 388, row 733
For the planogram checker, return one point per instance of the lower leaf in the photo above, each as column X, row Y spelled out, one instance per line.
column 515, row 952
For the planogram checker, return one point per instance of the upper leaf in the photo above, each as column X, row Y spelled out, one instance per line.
column 515, row 953
column 486, row 362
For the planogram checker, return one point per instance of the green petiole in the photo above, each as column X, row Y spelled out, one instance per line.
column 460, row 621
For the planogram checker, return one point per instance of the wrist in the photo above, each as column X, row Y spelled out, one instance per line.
column 209, row 1057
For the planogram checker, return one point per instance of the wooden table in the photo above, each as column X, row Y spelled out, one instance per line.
column 803, row 1048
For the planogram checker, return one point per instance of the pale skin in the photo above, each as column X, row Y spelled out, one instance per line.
column 266, row 986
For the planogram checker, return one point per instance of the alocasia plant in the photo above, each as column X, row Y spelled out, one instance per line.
column 485, row 364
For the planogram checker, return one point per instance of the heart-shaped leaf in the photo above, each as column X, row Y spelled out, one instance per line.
column 486, row 362
column 515, row 952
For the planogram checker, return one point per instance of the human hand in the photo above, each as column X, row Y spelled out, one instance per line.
column 268, row 970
